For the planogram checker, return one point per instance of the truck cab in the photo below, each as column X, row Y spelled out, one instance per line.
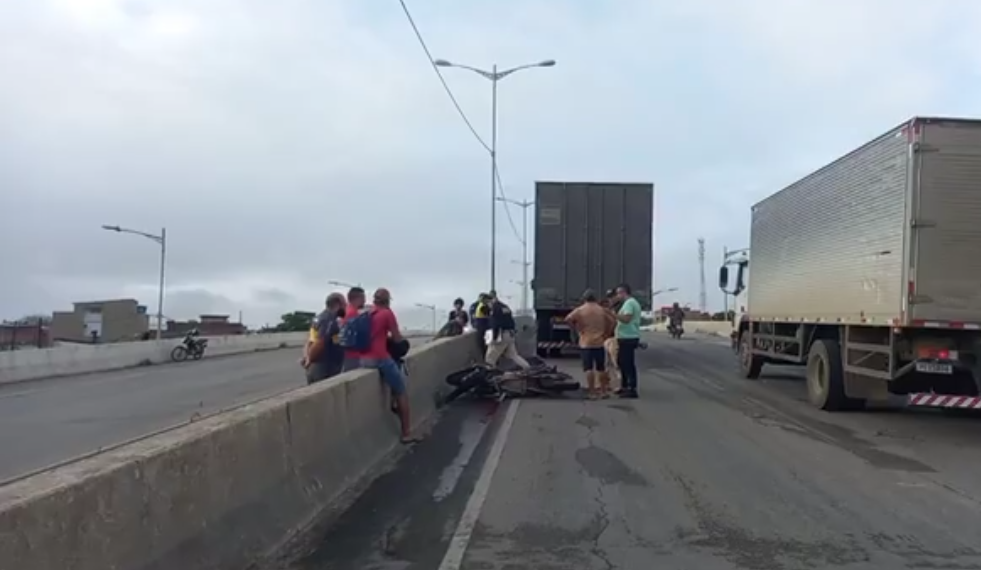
column 734, row 280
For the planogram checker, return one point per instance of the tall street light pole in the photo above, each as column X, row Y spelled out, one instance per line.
column 431, row 308
column 524, row 205
column 160, row 239
column 494, row 76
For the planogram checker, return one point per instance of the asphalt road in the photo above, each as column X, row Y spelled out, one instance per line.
column 47, row 421
column 706, row 471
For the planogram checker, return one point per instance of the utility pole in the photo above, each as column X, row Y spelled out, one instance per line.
column 525, row 264
column 702, row 294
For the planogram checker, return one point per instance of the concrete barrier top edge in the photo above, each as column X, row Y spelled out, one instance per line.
column 49, row 482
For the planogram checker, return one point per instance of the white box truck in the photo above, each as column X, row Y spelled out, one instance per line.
column 868, row 272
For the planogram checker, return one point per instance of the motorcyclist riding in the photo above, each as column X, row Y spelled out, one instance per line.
column 191, row 338
column 677, row 316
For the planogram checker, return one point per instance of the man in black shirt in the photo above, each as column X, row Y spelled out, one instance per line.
column 503, row 331
column 324, row 357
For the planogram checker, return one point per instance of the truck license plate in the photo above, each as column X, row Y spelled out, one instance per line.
column 934, row 368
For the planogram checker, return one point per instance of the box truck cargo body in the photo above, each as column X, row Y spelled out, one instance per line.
column 869, row 270
column 588, row 235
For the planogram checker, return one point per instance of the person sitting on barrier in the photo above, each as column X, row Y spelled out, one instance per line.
column 355, row 306
column 503, row 331
column 593, row 322
column 457, row 322
column 385, row 333
column 459, row 313
column 324, row 357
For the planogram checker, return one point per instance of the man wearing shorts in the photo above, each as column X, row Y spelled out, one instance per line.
column 385, row 327
column 593, row 322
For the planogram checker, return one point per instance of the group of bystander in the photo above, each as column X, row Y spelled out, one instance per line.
column 350, row 334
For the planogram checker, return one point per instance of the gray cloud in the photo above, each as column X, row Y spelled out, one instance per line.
column 287, row 144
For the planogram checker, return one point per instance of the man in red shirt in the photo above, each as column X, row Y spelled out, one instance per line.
column 385, row 326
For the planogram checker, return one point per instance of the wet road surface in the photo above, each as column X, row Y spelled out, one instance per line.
column 706, row 471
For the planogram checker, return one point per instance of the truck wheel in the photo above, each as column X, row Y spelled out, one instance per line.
column 826, row 378
column 750, row 365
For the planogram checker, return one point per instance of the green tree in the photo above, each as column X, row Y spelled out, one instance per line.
column 297, row 321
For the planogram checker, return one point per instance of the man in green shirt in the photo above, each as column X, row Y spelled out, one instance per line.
column 628, row 339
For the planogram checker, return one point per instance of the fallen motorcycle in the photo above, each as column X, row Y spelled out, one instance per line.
column 483, row 381
column 193, row 349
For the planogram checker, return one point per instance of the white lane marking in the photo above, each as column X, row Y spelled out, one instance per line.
column 460, row 540
column 470, row 435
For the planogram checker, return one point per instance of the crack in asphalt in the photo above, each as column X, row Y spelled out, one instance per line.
column 604, row 516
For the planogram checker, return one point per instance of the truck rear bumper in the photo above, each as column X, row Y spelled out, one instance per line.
column 944, row 401
column 558, row 345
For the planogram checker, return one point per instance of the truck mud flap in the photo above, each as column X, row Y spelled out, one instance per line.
column 563, row 346
column 944, row 401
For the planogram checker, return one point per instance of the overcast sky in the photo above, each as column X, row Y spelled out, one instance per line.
column 284, row 144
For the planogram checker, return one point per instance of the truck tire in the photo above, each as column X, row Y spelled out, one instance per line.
column 826, row 378
column 750, row 365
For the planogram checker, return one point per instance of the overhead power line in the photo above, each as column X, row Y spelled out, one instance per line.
column 439, row 74
column 459, row 110
column 507, row 209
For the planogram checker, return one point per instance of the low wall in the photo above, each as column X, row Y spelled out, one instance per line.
column 21, row 365
column 223, row 492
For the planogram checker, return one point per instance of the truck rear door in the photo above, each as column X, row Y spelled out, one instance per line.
column 945, row 280
column 592, row 236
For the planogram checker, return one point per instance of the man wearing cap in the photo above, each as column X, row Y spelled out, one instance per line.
column 323, row 356
column 385, row 329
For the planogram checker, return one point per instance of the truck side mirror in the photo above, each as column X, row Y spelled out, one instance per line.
column 723, row 277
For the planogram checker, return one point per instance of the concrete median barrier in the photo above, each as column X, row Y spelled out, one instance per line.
column 225, row 492
column 22, row 365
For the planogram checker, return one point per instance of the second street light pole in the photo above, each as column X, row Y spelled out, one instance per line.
column 524, row 205
column 431, row 308
column 162, row 241
column 493, row 152
column 160, row 293
column 494, row 76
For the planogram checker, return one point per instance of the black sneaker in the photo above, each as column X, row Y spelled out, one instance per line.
column 630, row 395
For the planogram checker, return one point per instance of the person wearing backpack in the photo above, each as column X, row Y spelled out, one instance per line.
column 371, row 333
column 346, row 338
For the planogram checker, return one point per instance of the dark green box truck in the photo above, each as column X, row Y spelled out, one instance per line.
column 588, row 235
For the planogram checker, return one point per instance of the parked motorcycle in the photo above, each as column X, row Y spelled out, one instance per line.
column 190, row 347
column 483, row 381
column 676, row 330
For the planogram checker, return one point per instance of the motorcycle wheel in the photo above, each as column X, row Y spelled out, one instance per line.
column 473, row 380
column 178, row 354
column 198, row 354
